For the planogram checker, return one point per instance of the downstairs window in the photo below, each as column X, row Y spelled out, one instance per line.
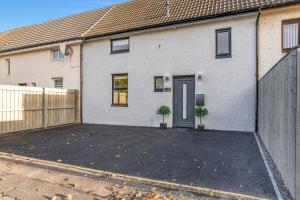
column 120, row 90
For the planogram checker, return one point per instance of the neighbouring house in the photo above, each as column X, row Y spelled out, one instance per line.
column 279, row 31
column 144, row 54
column 47, row 54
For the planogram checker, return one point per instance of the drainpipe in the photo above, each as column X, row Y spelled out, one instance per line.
column 257, row 69
column 81, row 79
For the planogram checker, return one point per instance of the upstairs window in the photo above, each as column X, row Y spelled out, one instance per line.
column 58, row 82
column 7, row 64
column 223, row 43
column 57, row 55
column 290, row 34
column 120, row 45
column 120, row 89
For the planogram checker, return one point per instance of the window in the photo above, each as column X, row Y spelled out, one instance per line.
column 57, row 55
column 7, row 63
column 290, row 34
column 22, row 84
column 120, row 89
column 158, row 84
column 120, row 45
column 58, row 82
column 33, row 84
column 223, row 43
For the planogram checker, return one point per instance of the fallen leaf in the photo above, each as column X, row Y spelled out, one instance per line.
column 90, row 192
column 73, row 185
column 68, row 197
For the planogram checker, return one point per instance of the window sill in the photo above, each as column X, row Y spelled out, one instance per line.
column 58, row 60
column 223, row 56
column 119, row 52
column 287, row 50
column 119, row 105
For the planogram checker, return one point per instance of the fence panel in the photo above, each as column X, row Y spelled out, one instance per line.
column 277, row 116
column 25, row 108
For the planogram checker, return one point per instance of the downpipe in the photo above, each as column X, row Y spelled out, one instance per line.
column 257, row 70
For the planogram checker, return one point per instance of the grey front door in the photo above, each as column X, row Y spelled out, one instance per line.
column 184, row 102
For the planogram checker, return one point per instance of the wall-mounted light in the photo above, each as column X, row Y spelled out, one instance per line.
column 200, row 76
column 167, row 77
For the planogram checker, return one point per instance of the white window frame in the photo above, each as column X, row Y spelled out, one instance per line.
column 58, row 79
column 57, row 57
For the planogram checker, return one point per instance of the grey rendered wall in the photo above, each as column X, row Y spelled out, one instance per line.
column 227, row 83
column 277, row 117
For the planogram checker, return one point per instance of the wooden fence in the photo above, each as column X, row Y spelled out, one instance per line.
column 279, row 117
column 25, row 108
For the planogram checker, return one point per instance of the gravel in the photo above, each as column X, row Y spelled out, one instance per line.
column 277, row 176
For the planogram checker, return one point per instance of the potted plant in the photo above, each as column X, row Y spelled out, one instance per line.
column 164, row 111
column 200, row 112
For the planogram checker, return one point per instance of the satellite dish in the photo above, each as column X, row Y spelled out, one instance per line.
column 62, row 48
column 66, row 50
column 69, row 51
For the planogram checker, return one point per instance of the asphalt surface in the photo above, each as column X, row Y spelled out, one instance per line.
column 228, row 161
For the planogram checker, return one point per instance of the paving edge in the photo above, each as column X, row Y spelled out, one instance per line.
column 151, row 182
column 275, row 186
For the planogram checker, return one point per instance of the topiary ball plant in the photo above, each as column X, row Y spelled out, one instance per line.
column 200, row 112
column 164, row 111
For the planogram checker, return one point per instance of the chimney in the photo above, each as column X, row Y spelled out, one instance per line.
column 167, row 8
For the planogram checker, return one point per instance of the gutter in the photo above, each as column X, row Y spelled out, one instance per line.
column 257, row 70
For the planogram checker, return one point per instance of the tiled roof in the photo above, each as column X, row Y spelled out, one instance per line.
column 134, row 15
column 7, row 36
column 139, row 14
column 67, row 28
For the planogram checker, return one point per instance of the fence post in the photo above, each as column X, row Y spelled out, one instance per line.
column 76, row 106
column 45, row 108
column 298, row 129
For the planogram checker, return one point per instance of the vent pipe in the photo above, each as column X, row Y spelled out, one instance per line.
column 167, row 8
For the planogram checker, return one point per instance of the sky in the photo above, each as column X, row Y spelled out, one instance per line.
column 19, row 13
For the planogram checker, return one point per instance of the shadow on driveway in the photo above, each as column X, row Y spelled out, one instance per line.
column 228, row 161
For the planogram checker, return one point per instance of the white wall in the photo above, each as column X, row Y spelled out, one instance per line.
column 270, row 38
column 38, row 66
column 229, row 84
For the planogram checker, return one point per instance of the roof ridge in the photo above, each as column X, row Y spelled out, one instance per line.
column 132, row 2
column 56, row 19
column 14, row 29
column 112, row 7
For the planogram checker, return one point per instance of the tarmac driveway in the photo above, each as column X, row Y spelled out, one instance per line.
column 228, row 161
